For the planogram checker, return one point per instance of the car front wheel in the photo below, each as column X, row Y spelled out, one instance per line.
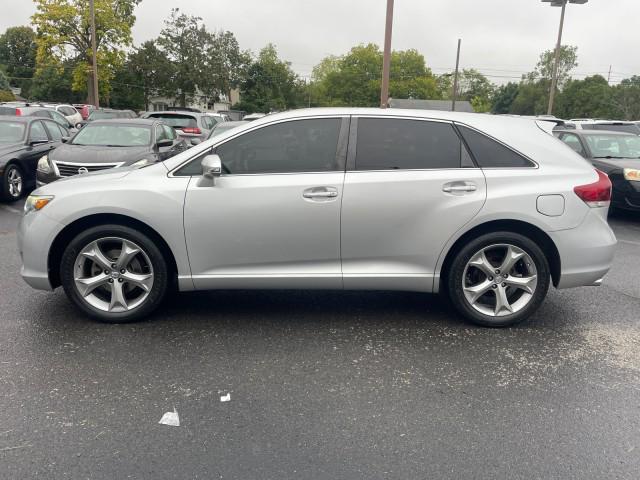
column 114, row 273
column 499, row 279
column 12, row 183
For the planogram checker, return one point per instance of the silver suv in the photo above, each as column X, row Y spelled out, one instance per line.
column 489, row 210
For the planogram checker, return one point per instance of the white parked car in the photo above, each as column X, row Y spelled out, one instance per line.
column 69, row 111
column 489, row 210
column 607, row 125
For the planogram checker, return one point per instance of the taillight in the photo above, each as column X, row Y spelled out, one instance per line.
column 18, row 112
column 596, row 194
column 194, row 130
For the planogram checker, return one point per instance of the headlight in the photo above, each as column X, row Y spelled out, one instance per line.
column 43, row 165
column 141, row 163
column 36, row 202
column 632, row 174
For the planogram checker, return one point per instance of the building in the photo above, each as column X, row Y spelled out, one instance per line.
column 441, row 105
column 199, row 101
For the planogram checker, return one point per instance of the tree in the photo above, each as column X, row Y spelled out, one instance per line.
column 18, row 55
column 626, row 98
column 4, row 83
column 270, row 84
column 151, row 72
column 531, row 99
column 53, row 82
column 503, row 98
column 184, row 41
column 64, row 35
column 568, row 61
column 474, row 87
column 588, row 98
column 225, row 65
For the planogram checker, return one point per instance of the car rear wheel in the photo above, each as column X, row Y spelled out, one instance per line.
column 498, row 279
column 114, row 273
column 12, row 183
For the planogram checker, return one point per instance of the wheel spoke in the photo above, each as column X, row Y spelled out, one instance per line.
column 502, row 302
column 510, row 259
column 142, row 280
column 481, row 262
column 127, row 253
column 527, row 284
column 476, row 291
column 87, row 285
column 94, row 253
column 118, row 301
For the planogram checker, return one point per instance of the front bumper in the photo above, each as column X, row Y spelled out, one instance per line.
column 36, row 233
column 586, row 252
column 44, row 178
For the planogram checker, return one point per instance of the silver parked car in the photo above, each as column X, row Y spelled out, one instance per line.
column 487, row 209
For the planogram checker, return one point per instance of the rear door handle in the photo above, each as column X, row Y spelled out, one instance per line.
column 459, row 188
column 320, row 192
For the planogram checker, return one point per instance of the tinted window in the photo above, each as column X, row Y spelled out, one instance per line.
column 611, row 127
column 11, row 132
column 491, row 154
column 176, row 120
column 54, row 131
column 68, row 111
column 385, row 144
column 295, row 146
column 207, row 122
column 169, row 132
column 161, row 134
column 37, row 133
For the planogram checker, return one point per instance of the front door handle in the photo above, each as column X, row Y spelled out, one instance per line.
column 459, row 188
column 320, row 192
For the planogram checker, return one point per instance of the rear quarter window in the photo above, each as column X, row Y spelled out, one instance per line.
column 490, row 153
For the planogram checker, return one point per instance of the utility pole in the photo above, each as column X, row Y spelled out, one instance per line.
column 609, row 76
column 386, row 60
column 554, row 78
column 455, row 78
column 94, row 54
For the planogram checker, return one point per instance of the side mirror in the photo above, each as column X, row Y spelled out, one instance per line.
column 195, row 141
column 165, row 143
column 211, row 166
column 65, row 139
column 33, row 143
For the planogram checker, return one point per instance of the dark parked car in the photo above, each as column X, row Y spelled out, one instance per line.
column 104, row 144
column 194, row 127
column 23, row 140
column 615, row 153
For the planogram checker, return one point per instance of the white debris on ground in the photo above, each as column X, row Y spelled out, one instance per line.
column 225, row 398
column 170, row 418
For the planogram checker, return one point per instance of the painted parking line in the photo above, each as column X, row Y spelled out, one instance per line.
column 10, row 209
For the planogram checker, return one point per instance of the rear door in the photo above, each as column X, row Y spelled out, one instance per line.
column 410, row 185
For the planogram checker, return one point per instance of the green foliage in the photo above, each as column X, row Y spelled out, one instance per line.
column 64, row 35
column 4, row 82
column 150, row 72
column 503, row 98
column 532, row 98
column 544, row 68
column 270, row 84
column 6, row 96
column 588, row 98
column 626, row 98
column 18, row 55
column 53, row 82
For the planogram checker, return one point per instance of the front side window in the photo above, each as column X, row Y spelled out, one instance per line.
column 161, row 134
column 293, row 146
column 574, row 142
column 614, row 146
column 38, row 133
column 391, row 144
column 490, row 153
column 54, row 131
column 113, row 135
column 169, row 132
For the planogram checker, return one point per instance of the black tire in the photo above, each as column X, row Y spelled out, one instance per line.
column 454, row 279
column 9, row 171
column 156, row 294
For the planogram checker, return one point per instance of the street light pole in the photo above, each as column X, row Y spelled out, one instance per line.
column 554, row 75
column 386, row 59
column 454, row 94
column 96, row 96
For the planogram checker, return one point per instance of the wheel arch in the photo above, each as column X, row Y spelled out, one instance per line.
column 74, row 228
column 516, row 226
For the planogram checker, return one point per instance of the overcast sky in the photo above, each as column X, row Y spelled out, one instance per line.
column 501, row 38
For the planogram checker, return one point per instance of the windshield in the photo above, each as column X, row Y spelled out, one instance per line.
column 614, row 127
column 177, row 121
column 113, row 135
column 103, row 115
column 614, row 146
column 11, row 132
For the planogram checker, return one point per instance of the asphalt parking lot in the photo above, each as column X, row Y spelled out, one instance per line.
column 322, row 384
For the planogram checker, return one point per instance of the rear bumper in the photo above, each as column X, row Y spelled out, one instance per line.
column 586, row 252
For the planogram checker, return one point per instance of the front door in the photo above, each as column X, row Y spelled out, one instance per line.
column 272, row 220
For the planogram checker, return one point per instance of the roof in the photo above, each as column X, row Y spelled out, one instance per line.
column 174, row 112
column 440, row 105
column 125, row 121
column 11, row 118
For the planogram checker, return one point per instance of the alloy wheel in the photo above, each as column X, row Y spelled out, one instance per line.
column 499, row 280
column 14, row 182
column 113, row 274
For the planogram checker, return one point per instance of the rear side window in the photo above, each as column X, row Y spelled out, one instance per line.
column 68, row 111
column 491, row 154
column 391, row 144
column 55, row 131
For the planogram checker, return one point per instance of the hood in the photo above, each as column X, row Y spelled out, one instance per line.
column 608, row 165
column 90, row 154
column 6, row 148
